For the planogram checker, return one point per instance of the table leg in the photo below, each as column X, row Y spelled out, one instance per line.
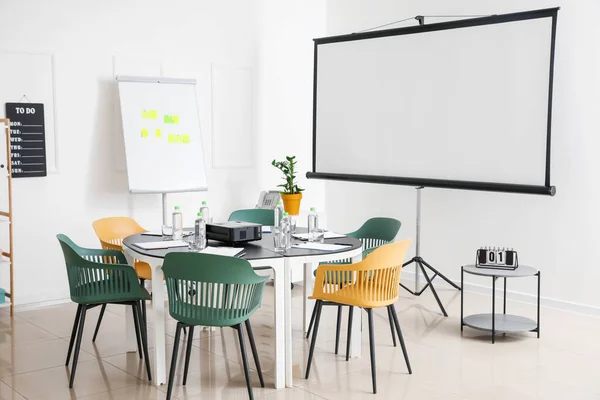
column 493, row 310
column 279, row 322
column 356, row 339
column 504, row 310
column 538, row 304
column 158, row 309
column 462, row 291
column 130, row 336
column 287, row 291
column 309, row 305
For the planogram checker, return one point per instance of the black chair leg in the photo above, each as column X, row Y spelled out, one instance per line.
column 392, row 325
column 144, row 333
column 402, row 344
column 188, row 352
column 319, row 307
column 245, row 360
column 349, row 333
column 144, row 315
column 372, row 348
column 312, row 321
column 138, row 336
column 174, row 360
column 78, row 345
column 254, row 352
column 99, row 322
column 337, row 329
column 73, row 333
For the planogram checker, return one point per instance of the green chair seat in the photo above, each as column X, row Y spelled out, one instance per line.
column 211, row 290
column 99, row 277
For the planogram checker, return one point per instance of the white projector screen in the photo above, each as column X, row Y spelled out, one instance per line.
column 463, row 104
column 161, row 127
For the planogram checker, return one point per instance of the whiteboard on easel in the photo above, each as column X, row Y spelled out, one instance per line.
column 161, row 128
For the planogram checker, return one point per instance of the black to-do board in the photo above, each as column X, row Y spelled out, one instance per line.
column 27, row 139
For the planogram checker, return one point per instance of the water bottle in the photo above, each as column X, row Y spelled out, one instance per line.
column 313, row 224
column 205, row 212
column 199, row 233
column 285, row 227
column 277, row 213
column 177, row 224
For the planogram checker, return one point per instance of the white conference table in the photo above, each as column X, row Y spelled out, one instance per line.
column 258, row 254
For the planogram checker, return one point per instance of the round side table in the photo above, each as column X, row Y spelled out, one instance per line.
column 500, row 323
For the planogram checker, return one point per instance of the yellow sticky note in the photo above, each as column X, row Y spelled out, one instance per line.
column 186, row 138
column 144, row 133
column 158, row 133
column 149, row 114
column 172, row 138
column 175, row 119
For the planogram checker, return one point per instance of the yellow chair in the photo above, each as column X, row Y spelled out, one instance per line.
column 374, row 284
column 111, row 232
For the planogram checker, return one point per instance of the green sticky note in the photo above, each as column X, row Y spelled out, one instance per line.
column 158, row 133
column 144, row 133
column 170, row 119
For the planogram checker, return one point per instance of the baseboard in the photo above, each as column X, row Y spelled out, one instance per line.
column 516, row 296
column 41, row 304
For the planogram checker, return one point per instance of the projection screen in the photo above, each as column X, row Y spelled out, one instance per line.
column 464, row 104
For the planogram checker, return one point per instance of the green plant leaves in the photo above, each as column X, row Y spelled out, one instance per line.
column 289, row 174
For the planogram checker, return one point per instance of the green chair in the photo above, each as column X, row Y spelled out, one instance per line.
column 210, row 290
column 254, row 215
column 373, row 233
column 99, row 277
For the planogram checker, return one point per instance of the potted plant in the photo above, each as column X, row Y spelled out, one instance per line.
column 291, row 194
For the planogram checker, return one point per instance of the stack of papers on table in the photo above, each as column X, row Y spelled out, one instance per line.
column 223, row 251
column 328, row 235
column 321, row 246
column 163, row 244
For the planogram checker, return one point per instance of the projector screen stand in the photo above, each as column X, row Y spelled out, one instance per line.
column 421, row 264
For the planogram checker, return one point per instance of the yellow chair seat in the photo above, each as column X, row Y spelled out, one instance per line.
column 370, row 283
column 143, row 270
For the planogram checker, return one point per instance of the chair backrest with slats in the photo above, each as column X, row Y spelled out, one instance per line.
column 211, row 290
column 98, row 276
column 371, row 283
column 111, row 231
column 260, row 216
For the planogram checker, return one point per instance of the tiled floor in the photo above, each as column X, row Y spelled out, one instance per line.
column 562, row 364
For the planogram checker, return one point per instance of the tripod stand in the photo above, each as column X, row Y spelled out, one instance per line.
column 421, row 264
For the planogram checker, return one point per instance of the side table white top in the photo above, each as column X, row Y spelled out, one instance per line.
column 520, row 272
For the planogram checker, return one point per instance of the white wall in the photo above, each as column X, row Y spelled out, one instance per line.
column 285, row 76
column 558, row 235
column 88, row 43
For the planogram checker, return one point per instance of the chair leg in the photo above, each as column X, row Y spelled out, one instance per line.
column 77, row 345
column 174, row 360
column 372, row 348
column 337, row 329
column 245, row 361
column 144, row 333
column 402, row 344
column 188, row 352
column 312, row 321
column 392, row 325
column 138, row 336
column 99, row 322
column 349, row 337
column 73, row 333
column 144, row 315
column 319, row 307
column 254, row 352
